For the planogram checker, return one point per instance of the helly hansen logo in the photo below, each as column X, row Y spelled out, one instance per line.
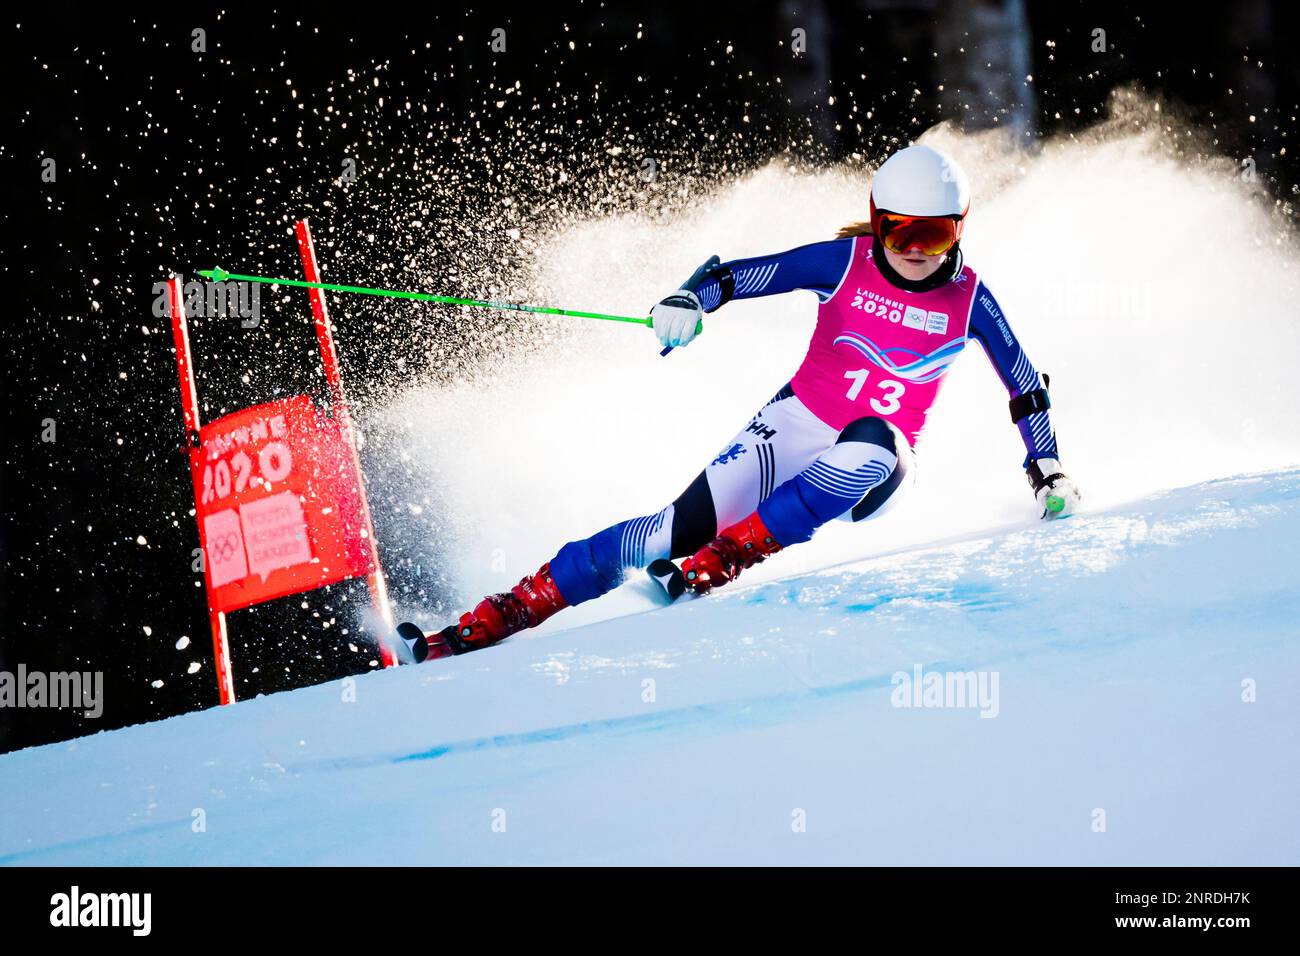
column 762, row 431
column 994, row 311
column 731, row 454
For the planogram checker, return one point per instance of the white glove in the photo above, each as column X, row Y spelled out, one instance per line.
column 677, row 318
column 1057, row 495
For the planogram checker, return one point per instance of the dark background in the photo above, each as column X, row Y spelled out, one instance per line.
column 169, row 159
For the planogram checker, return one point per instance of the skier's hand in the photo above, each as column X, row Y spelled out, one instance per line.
column 677, row 318
column 1057, row 495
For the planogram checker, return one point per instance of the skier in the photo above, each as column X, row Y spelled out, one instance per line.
column 897, row 305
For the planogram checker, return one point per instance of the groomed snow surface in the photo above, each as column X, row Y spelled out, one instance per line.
column 1146, row 660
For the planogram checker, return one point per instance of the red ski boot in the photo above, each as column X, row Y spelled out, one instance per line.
column 741, row 546
column 497, row 616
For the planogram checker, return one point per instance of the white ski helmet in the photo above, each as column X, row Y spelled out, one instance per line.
column 920, row 181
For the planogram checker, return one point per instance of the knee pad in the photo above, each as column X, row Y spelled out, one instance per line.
column 872, row 431
column 879, row 433
column 868, row 447
column 884, row 495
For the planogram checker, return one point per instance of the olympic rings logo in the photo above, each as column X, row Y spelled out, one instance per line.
column 224, row 546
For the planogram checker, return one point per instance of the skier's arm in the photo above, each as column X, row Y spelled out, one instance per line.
column 1029, row 404
column 818, row 268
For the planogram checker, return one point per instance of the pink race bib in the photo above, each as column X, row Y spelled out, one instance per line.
column 878, row 350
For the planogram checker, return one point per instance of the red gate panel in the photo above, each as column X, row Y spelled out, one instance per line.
column 278, row 504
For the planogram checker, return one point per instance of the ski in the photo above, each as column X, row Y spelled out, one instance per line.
column 668, row 579
column 416, row 647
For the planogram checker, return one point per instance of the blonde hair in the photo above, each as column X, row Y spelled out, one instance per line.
column 854, row 229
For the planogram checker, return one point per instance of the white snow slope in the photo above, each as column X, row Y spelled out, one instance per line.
column 1146, row 656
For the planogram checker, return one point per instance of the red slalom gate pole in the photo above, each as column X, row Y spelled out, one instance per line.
column 343, row 415
column 190, row 409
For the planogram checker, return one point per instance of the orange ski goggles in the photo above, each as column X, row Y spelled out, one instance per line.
column 933, row 235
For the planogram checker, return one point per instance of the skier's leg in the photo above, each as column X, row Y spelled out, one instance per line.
column 780, row 440
column 884, row 496
column 587, row 568
column 853, row 478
